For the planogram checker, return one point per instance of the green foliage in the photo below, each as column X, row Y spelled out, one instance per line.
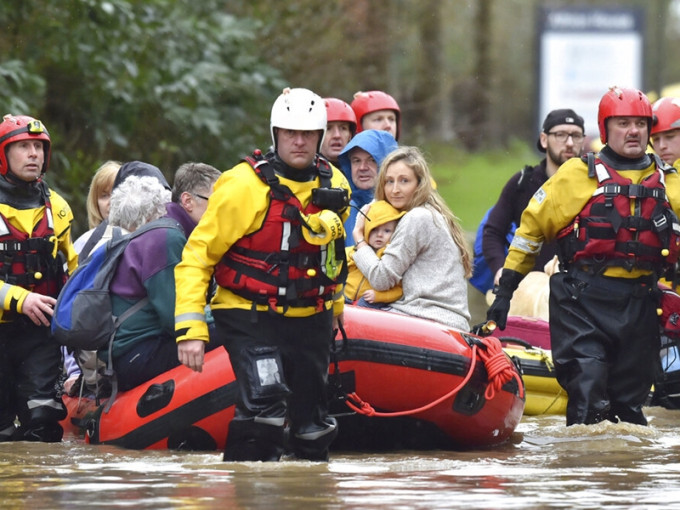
column 471, row 182
column 164, row 81
column 19, row 87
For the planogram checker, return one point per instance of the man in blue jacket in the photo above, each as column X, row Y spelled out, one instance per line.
column 360, row 162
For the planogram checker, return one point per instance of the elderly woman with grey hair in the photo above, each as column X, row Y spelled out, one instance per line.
column 144, row 345
column 136, row 201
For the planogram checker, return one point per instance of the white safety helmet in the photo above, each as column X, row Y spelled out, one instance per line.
column 298, row 109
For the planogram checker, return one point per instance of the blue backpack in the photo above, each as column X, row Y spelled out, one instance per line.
column 83, row 316
column 482, row 278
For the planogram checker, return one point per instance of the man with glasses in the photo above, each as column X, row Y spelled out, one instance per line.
column 192, row 186
column 562, row 138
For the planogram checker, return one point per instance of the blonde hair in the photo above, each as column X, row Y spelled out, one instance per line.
column 102, row 181
column 425, row 194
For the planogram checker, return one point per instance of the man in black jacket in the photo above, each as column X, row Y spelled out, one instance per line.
column 562, row 138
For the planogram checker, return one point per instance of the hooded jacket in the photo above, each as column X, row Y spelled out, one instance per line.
column 140, row 169
column 378, row 144
column 380, row 213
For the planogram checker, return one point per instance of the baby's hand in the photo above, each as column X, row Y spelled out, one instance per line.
column 369, row 296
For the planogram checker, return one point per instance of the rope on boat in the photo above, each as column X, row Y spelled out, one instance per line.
column 499, row 367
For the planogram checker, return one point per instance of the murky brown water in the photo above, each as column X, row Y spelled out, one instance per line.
column 545, row 465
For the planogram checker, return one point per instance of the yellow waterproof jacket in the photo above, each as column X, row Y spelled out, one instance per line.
column 26, row 220
column 357, row 283
column 237, row 207
column 556, row 204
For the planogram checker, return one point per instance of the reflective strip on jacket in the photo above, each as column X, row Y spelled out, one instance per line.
column 37, row 221
column 237, row 208
column 561, row 199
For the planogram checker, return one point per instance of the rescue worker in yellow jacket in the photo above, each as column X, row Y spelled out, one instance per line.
column 665, row 133
column 35, row 243
column 272, row 234
column 614, row 215
column 665, row 140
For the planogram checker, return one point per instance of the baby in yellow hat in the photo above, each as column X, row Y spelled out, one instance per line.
column 378, row 230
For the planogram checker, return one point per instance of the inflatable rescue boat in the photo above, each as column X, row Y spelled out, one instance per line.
column 667, row 383
column 395, row 381
column 526, row 340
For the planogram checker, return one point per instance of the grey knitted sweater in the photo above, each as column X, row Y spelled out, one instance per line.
column 424, row 258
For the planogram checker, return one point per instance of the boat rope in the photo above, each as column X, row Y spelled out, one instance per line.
column 499, row 367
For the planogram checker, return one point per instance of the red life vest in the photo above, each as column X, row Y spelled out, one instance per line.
column 32, row 262
column 275, row 266
column 605, row 233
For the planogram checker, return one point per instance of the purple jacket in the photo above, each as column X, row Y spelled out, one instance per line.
column 147, row 269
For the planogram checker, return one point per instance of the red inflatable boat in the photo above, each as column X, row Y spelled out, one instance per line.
column 397, row 382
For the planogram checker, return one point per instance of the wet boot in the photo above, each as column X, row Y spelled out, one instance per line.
column 251, row 441
column 578, row 415
column 312, row 442
column 627, row 414
column 43, row 433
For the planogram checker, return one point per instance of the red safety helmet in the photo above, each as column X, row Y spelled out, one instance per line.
column 373, row 101
column 620, row 102
column 665, row 115
column 14, row 128
column 339, row 111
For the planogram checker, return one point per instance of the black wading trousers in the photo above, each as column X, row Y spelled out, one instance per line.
column 281, row 367
column 605, row 344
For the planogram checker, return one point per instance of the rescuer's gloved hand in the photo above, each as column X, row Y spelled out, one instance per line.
column 498, row 312
column 485, row 328
column 322, row 227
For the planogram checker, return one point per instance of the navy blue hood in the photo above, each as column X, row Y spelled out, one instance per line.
column 140, row 169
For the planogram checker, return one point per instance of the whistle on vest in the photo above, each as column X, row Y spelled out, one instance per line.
column 322, row 228
column 55, row 246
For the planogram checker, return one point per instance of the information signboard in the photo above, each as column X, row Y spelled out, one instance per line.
column 581, row 53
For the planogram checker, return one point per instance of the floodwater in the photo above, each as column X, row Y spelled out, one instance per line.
column 544, row 465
